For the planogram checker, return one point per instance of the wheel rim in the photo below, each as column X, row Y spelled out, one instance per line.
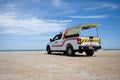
column 69, row 51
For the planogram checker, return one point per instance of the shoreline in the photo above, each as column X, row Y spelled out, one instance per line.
column 10, row 51
column 45, row 50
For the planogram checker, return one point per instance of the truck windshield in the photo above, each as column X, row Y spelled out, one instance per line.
column 89, row 32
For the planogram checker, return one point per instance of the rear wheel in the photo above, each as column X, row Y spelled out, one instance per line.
column 70, row 51
column 90, row 52
column 64, row 53
column 48, row 50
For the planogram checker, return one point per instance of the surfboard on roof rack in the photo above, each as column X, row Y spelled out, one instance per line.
column 76, row 30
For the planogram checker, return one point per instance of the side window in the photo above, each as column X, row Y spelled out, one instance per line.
column 57, row 37
column 73, row 35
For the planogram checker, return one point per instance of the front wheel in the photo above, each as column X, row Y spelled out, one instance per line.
column 90, row 52
column 70, row 51
column 48, row 50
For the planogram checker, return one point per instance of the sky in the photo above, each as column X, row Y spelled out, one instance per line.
column 29, row 24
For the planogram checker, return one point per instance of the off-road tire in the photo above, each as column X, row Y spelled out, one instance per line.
column 48, row 49
column 64, row 53
column 70, row 51
column 90, row 52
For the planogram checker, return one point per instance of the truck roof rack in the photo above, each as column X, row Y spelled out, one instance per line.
column 88, row 26
column 77, row 29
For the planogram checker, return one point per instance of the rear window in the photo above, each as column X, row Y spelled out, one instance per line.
column 73, row 35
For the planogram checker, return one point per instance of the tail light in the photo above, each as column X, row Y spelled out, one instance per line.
column 99, row 41
column 79, row 40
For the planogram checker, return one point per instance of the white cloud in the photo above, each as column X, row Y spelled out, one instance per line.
column 61, row 4
column 10, row 5
column 110, row 5
column 12, row 24
column 103, row 5
column 66, row 12
column 117, row 17
column 58, row 21
column 93, row 16
column 56, row 3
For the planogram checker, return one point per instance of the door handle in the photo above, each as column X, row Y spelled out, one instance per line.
column 55, row 42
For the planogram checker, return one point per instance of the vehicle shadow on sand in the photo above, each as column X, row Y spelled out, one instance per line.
column 76, row 55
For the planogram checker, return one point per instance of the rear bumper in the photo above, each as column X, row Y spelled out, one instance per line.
column 89, row 47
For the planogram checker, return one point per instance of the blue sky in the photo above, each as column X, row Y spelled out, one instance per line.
column 28, row 24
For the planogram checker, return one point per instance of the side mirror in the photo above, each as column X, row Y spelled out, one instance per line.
column 51, row 40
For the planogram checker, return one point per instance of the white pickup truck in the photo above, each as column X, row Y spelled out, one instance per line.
column 72, row 41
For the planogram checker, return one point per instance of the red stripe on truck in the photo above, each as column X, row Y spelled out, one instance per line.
column 78, row 41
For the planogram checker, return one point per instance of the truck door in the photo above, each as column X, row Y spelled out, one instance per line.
column 55, row 44
column 60, row 44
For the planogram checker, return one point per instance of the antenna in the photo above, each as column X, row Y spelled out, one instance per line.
column 97, row 31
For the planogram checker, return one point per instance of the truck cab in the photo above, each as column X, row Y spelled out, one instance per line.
column 71, row 41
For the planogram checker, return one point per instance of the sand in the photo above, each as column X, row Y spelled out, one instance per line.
column 38, row 65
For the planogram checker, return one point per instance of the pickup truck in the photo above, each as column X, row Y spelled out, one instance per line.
column 71, row 41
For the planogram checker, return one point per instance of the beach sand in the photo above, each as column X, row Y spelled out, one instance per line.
column 38, row 65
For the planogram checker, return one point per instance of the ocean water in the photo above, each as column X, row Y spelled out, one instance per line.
column 18, row 50
column 110, row 49
column 45, row 50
